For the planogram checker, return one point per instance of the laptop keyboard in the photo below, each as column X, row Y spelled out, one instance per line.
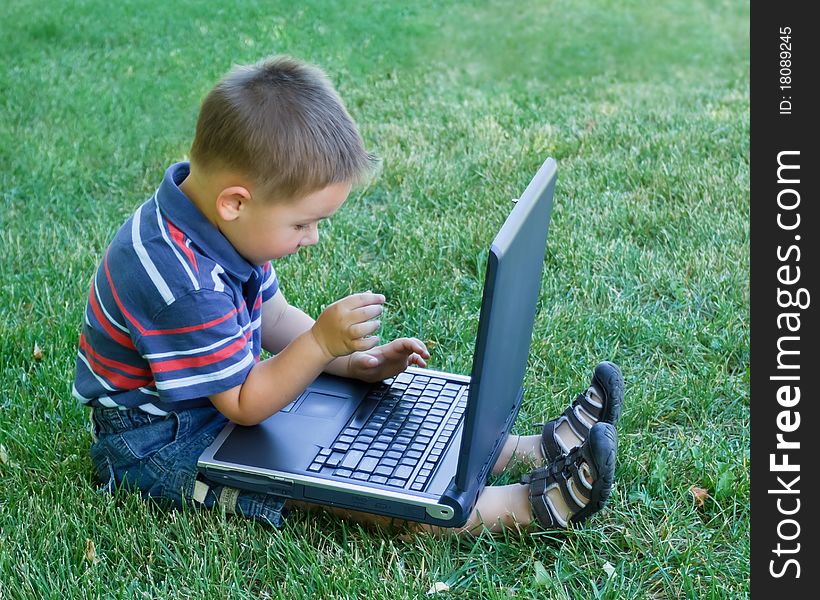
column 401, row 442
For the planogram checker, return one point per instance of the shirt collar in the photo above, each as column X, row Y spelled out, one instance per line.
column 183, row 213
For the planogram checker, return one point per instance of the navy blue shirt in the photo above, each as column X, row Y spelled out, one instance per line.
column 174, row 311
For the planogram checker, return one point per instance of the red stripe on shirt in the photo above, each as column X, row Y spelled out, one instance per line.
column 201, row 361
column 115, row 334
column 143, row 331
column 120, row 381
column 179, row 238
column 114, row 364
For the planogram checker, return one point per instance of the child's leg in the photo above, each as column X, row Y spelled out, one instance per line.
column 525, row 448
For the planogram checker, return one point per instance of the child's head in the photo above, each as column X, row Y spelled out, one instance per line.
column 280, row 124
column 275, row 152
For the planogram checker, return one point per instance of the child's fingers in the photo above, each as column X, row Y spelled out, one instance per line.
column 366, row 343
column 359, row 330
column 355, row 301
column 365, row 313
column 415, row 345
column 417, row 360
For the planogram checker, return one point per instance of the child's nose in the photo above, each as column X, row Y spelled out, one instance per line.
column 312, row 236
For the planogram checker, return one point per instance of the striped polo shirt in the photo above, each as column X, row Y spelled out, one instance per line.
column 174, row 311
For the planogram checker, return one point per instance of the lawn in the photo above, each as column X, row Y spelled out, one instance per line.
column 645, row 107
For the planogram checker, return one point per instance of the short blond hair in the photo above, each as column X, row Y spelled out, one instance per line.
column 281, row 123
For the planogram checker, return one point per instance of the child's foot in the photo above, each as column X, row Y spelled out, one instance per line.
column 599, row 403
column 577, row 485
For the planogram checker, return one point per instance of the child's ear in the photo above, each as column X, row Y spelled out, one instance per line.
column 230, row 200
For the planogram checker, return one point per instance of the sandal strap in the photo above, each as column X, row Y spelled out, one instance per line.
column 537, row 482
column 559, row 474
column 549, row 445
column 584, row 400
column 580, row 428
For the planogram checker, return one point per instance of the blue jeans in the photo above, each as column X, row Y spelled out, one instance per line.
column 156, row 455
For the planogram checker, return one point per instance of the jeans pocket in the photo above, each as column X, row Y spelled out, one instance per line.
column 152, row 438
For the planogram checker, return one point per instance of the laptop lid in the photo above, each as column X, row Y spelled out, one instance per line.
column 511, row 288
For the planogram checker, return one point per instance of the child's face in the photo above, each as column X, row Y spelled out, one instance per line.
column 270, row 230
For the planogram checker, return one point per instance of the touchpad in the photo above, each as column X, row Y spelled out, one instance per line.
column 320, row 404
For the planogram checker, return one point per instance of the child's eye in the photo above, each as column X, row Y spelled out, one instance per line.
column 300, row 227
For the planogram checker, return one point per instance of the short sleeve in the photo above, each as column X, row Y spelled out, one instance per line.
column 196, row 346
column 270, row 283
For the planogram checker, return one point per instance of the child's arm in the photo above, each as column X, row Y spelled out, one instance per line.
column 274, row 383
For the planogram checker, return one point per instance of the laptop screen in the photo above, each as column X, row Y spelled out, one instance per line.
column 511, row 288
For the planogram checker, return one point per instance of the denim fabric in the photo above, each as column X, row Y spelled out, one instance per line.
column 157, row 455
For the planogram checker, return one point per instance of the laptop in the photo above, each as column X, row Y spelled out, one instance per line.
column 418, row 446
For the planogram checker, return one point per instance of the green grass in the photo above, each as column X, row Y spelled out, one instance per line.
column 646, row 109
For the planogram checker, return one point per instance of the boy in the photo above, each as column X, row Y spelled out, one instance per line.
column 186, row 297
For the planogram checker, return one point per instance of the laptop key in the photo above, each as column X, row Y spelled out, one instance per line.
column 397, row 482
column 335, row 459
column 403, row 471
column 360, row 475
column 367, row 464
column 404, row 377
column 382, row 470
column 351, row 459
column 315, row 467
column 378, row 479
column 343, row 472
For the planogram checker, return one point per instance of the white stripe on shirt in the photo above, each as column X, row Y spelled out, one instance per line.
column 97, row 377
column 222, row 342
column 218, row 285
column 146, row 261
column 111, row 319
column 206, row 378
column 269, row 281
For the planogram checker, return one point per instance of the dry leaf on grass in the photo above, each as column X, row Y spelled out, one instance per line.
column 438, row 586
column 609, row 569
column 700, row 495
column 91, row 551
column 38, row 352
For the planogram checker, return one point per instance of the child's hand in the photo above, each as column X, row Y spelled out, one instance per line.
column 388, row 360
column 343, row 327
